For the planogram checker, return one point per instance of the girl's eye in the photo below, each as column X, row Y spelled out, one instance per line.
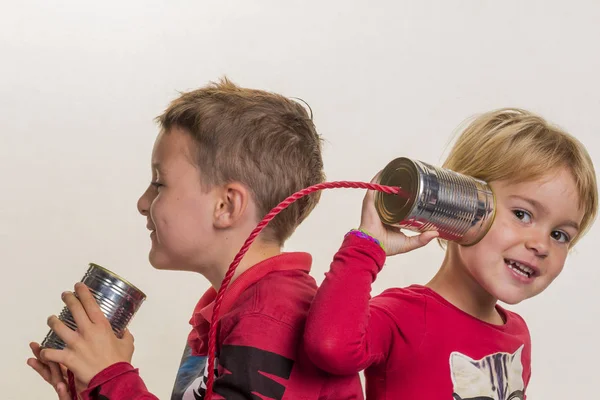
column 560, row 237
column 522, row 215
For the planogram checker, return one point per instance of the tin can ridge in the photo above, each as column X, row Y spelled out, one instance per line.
column 118, row 299
column 461, row 208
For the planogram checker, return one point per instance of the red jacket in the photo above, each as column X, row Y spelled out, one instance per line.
column 260, row 350
column 412, row 342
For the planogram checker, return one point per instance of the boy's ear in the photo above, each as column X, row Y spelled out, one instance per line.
column 231, row 205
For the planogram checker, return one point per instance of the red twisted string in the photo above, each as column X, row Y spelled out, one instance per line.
column 212, row 335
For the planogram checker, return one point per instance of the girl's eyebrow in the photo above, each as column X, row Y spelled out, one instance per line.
column 537, row 205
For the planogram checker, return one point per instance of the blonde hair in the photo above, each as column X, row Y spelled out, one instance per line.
column 263, row 140
column 517, row 145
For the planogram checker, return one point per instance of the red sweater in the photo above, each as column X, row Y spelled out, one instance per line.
column 412, row 343
column 259, row 343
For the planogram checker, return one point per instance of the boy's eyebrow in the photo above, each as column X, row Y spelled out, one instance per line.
column 542, row 208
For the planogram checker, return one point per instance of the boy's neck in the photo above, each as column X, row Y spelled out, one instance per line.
column 258, row 252
column 454, row 283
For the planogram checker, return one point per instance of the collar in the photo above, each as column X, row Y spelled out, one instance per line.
column 202, row 316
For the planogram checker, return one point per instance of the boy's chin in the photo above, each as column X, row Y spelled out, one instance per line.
column 159, row 261
column 164, row 262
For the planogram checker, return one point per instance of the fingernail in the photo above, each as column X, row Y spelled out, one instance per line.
column 62, row 296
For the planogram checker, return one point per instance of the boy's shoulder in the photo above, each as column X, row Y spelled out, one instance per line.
column 281, row 291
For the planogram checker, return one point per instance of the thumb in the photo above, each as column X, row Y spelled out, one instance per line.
column 127, row 336
column 369, row 196
column 376, row 177
column 420, row 240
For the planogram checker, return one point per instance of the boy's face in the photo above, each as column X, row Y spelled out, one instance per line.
column 179, row 212
column 527, row 245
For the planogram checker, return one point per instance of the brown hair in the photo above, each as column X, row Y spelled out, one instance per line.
column 263, row 140
column 518, row 145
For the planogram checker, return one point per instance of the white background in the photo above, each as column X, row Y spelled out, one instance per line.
column 81, row 81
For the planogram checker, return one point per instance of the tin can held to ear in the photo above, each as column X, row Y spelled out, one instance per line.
column 118, row 299
column 461, row 208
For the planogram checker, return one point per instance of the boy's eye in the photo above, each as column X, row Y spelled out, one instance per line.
column 522, row 215
column 560, row 236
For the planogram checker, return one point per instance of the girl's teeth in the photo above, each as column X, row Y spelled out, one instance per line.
column 520, row 268
column 524, row 268
column 518, row 271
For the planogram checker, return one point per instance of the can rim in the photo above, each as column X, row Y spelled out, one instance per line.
column 492, row 219
column 397, row 216
column 118, row 277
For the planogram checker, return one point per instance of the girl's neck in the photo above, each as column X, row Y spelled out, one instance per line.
column 455, row 284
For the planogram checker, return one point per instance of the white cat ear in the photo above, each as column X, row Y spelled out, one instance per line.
column 517, row 354
column 465, row 374
column 515, row 373
column 460, row 360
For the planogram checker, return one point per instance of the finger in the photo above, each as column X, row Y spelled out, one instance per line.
column 56, row 373
column 90, row 304
column 42, row 369
column 417, row 241
column 77, row 310
column 63, row 392
column 57, row 356
column 64, row 372
column 63, row 331
column 36, row 363
column 51, row 372
column 35, row 349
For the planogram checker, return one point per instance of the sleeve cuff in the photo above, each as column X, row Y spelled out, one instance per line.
column 365, row 247
column 108, row 374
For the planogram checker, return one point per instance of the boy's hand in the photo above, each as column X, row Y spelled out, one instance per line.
column 392, row 239
column 53, row 373
column 94, row 346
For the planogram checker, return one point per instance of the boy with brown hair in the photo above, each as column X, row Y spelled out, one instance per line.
column 225, row 156
column 449, row 339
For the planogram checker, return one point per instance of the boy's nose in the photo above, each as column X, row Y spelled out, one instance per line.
column 143, row 203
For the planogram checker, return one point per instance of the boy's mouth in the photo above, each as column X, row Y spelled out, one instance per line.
column 520, row 269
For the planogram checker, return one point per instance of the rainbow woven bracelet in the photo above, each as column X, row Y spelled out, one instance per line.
column 365, row 235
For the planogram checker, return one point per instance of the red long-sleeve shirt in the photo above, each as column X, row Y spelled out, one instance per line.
column 259, row 344
column 412, row 343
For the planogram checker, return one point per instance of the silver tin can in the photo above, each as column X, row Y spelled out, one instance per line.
column 118, row 299
column 461, row 208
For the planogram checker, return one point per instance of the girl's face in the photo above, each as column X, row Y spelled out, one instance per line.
column 527, row 245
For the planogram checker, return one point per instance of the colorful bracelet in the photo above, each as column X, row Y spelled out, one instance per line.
column 365, row 235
